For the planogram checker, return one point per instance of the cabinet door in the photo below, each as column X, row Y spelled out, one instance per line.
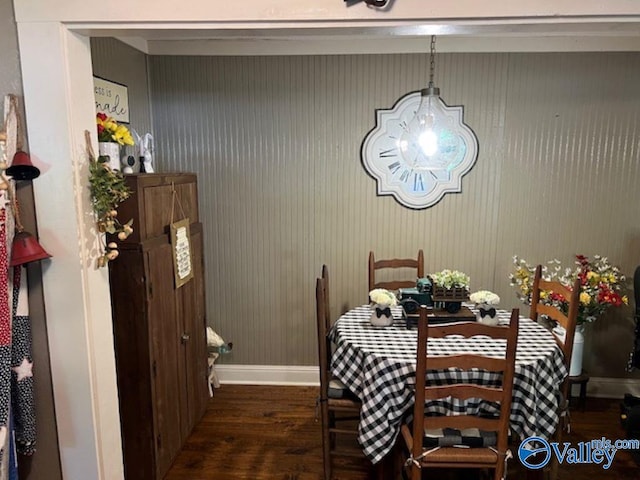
column 195, row 348
column 167, row 358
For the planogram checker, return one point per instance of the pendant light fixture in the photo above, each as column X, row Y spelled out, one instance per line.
column 436, row 139
column 420, row 148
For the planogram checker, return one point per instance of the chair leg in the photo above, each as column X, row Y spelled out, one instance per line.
column 326, row 440
column 553, row 464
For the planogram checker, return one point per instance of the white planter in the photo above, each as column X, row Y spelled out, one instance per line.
column 112, row 150
column 486, row 314
column 381, row 316
column 578, row 348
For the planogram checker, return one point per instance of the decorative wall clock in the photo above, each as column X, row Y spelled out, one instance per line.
column 419, row 149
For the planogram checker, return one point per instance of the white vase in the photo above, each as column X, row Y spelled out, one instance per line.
column 486, row 314
column 577, row 352
column 381, row 315
column 112, row 150
column 578, row 348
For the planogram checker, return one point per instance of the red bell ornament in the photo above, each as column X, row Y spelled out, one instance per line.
column 21, row 167
column 26, row 249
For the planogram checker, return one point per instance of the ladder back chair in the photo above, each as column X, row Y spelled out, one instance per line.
column 396, row 264
column 338, row 415
column 567, row 321
column 467, row 440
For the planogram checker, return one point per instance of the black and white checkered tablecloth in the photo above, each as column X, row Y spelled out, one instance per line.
column 378, row 365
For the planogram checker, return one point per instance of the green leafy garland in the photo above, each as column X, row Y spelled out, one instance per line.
column 108, row 190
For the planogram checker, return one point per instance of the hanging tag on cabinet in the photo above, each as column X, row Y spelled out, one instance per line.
column 180, row 244
column 181, row 250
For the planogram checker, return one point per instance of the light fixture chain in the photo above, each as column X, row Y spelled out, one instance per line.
column 432, row 60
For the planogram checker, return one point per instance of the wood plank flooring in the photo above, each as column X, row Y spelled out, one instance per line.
column 267, row 432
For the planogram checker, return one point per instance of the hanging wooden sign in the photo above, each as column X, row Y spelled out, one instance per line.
column 181, row 251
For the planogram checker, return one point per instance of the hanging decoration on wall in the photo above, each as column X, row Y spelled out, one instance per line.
column 108, row 190
column 21, row 167
column 24, row 246
column 17, row 407
column 420, row 148
column 111, row 98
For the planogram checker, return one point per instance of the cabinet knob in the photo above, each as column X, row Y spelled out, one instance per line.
column 185, row 337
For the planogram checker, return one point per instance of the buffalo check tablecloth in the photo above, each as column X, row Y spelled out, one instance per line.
column 378, row 365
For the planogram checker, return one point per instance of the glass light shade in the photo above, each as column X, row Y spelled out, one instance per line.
column 432, row 140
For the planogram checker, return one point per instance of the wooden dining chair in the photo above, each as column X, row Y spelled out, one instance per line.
column 339, row 408
column 466, row 440
column 396, row 264
column 567, row 321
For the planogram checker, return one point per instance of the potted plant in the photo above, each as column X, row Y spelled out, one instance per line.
column 381, row 302
column 111, row 136
column 485, row 302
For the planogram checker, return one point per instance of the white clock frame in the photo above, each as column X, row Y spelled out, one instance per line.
column 382, row 159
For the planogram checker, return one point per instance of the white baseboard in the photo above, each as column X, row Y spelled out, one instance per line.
column 303, row 376
column 611, row 387
column 268, row 375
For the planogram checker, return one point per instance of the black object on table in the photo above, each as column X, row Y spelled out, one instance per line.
column 438, row 316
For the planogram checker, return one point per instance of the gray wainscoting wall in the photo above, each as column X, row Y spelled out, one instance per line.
column 275, row 142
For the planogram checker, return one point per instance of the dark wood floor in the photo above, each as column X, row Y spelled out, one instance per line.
column 264, row 432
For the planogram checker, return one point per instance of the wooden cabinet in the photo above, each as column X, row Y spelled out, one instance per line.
column 159, row 331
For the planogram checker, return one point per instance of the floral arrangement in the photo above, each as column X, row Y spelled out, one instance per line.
column 382, row 296
column 484, row 296
column 450, row 279
column 601, row 284
column 110, row 131
column 107, row 189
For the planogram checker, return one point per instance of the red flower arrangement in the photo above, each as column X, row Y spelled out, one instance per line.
column 601, row 285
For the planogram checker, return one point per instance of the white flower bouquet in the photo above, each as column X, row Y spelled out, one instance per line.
column 484, row 297
column 382, row 296
column 450, row 279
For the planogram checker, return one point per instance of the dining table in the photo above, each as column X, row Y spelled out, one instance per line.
column 378, row 366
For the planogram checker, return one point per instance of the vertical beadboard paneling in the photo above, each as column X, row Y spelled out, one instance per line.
column 118, row 62
column 275, row 142
column 570, row 174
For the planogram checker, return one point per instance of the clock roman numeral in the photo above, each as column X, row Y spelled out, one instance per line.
column 418, row 183
column 404, row 125
column 391, row 152
column 405, row 176
column 394, row 167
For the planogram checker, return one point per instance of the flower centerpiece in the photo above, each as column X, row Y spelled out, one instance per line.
column 450, row 289
column 601, row 285
column 381, row 302
column 485, row 304
column 450, row 279
column 111, row 136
